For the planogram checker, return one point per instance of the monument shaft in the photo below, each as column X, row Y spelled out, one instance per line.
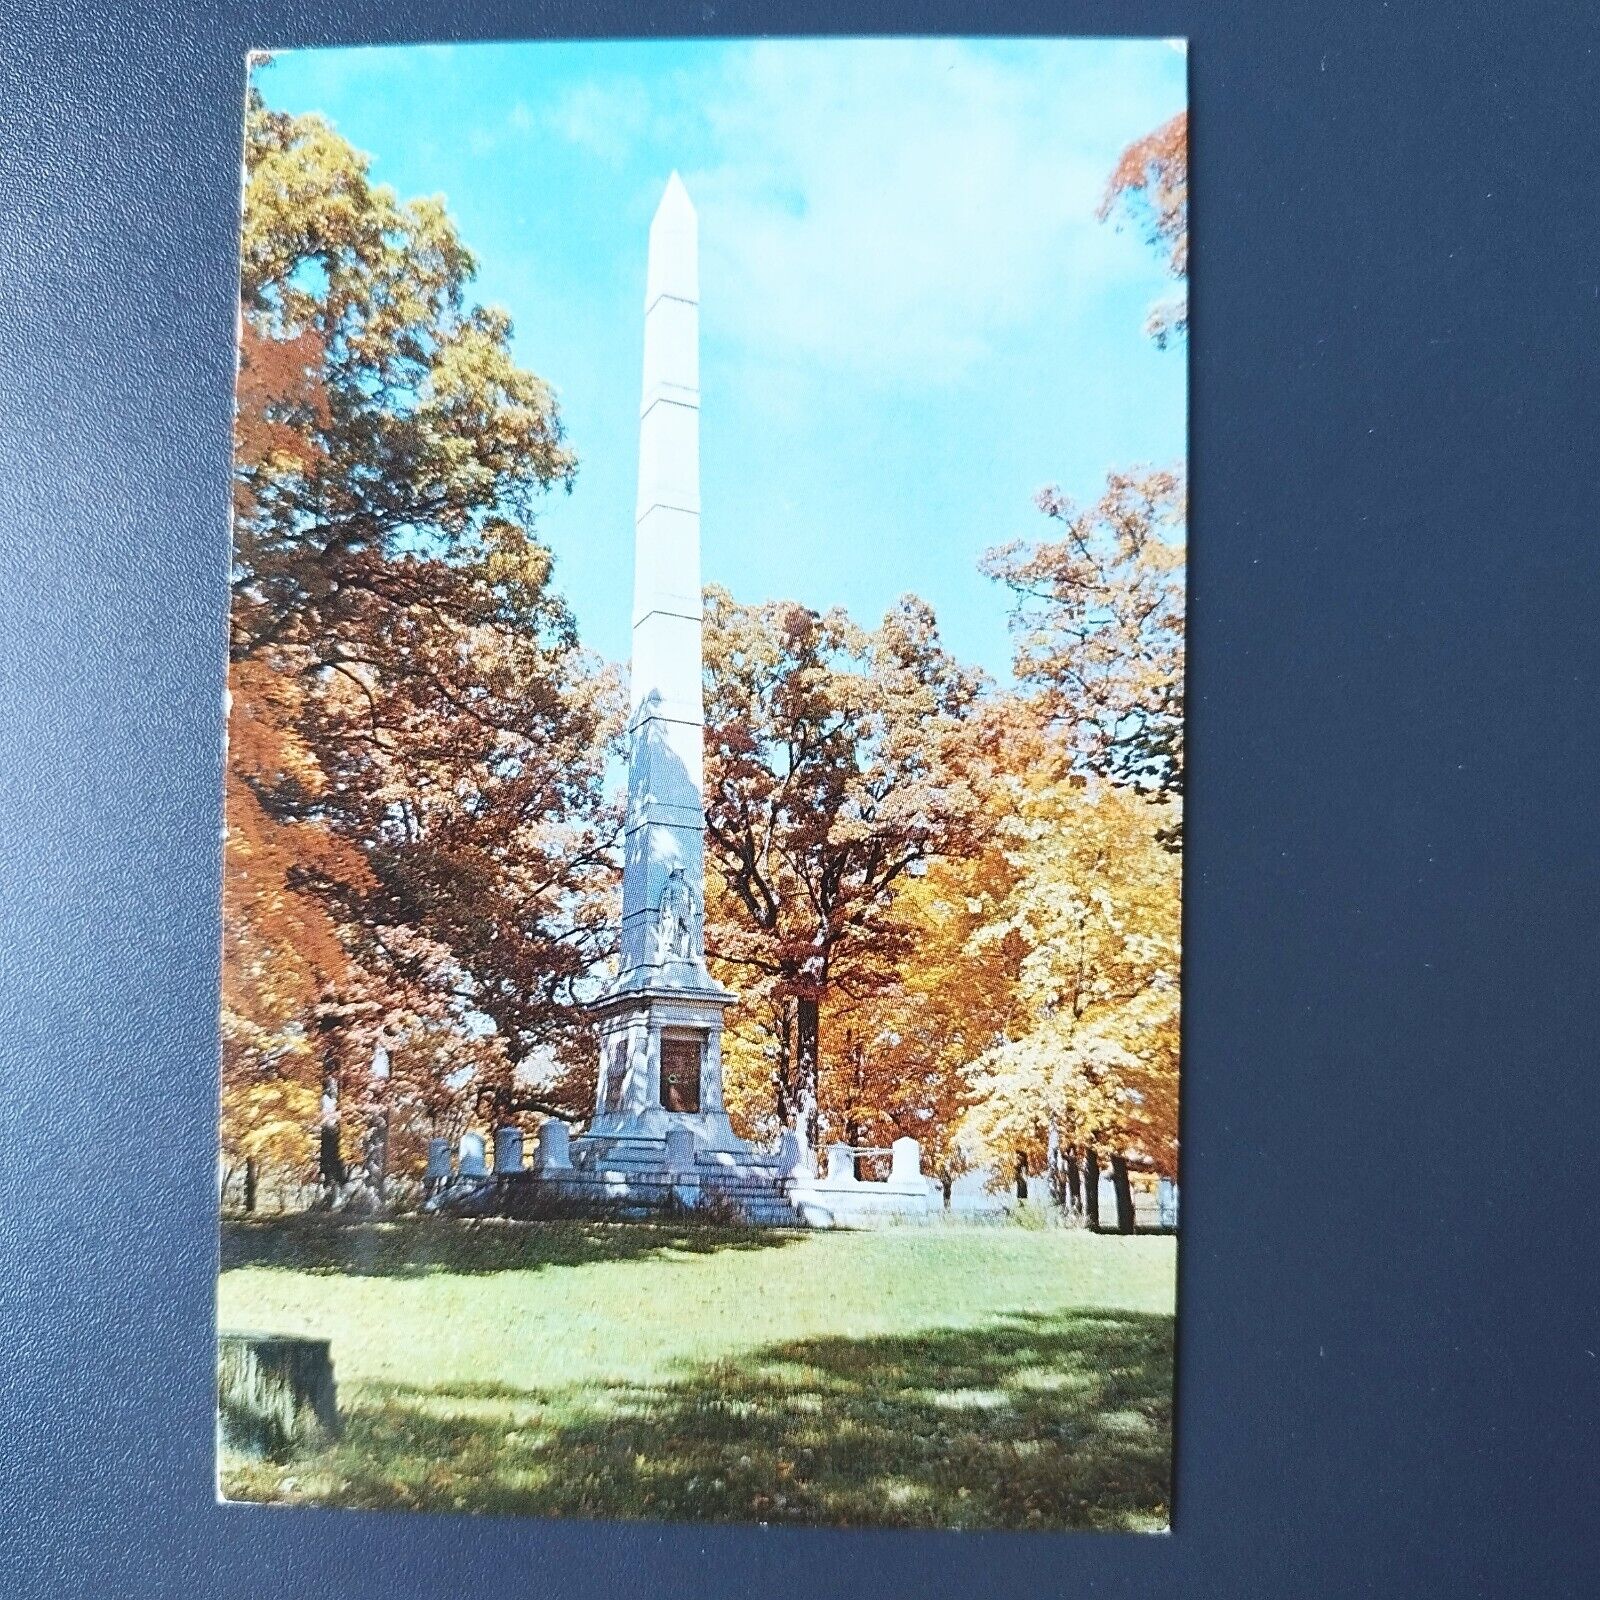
column 666, row 819
column 660, row 1076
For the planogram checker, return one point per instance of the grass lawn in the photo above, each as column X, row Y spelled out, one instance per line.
column 957, row 1376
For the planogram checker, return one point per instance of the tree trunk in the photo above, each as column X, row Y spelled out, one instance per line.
column 1091, row 1186
column 1022, row 1176
column 855, row 1131
column 1055, row 1171
column 946, row 1182
column 330, row 1159
column 783, row 1068
column 375, row 1158
column 1074, row 1181
column 808, row 1029
column 330, row 1165
column 250, row 1183
column 1124, row 1193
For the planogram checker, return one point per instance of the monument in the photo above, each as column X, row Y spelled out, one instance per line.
column 659, row 1137
column 661, row 1017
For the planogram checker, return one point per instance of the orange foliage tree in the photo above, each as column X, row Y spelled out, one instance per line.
column 1150, row 183
column 419, row 852
column 833, row 769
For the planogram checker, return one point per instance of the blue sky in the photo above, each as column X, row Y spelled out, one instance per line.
column 910, row 318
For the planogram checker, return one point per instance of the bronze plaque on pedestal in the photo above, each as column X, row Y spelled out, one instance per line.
column 680, row 1074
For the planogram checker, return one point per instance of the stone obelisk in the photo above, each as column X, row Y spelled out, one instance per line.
column 661, row 1018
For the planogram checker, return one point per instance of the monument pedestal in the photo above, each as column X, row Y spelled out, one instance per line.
column 661, row 1078
column 660, row 1136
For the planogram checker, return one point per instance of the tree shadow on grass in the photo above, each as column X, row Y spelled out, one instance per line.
column 415, row 1247
column 1029, row 1421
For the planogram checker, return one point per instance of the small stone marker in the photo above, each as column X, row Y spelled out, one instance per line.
column 438, row 1160
column 680, row 1149
column 471, row 1164
column 275, row 1394
column 553, row 1149
column 905, row 1161
column 841, row 1164
column 792, row 1160
column 507, row 1150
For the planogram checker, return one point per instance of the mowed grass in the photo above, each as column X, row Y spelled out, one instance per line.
column 955, row 1376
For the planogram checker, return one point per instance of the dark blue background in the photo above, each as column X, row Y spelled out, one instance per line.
column 1388, row 1331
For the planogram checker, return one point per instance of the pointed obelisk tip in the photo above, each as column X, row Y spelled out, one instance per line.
column 675, row 201
column 674, row 254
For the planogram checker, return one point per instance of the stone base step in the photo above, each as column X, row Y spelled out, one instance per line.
column 648, row 1157
column 756, row 1198
column 752, row 1197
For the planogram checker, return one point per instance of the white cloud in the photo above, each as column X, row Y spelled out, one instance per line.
column 887, row 209
column 603, row 118
column 893, row 208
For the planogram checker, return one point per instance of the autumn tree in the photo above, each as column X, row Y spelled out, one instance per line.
column 1150, row 186
column 424, row 768
column 955, row 994
column 1093, row 1060
column 1098, row 624
column 408, row 464
column 832, row 771
column 282, row 949
column 904, row 1053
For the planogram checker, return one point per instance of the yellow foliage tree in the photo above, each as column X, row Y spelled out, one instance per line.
column 957, row 997
column 1096, row 904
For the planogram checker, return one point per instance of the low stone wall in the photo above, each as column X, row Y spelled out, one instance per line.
column 839, row 1199
column 715, row 1197
column 640, row 1178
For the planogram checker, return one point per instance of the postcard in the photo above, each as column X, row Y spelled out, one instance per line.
column 701, row 973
